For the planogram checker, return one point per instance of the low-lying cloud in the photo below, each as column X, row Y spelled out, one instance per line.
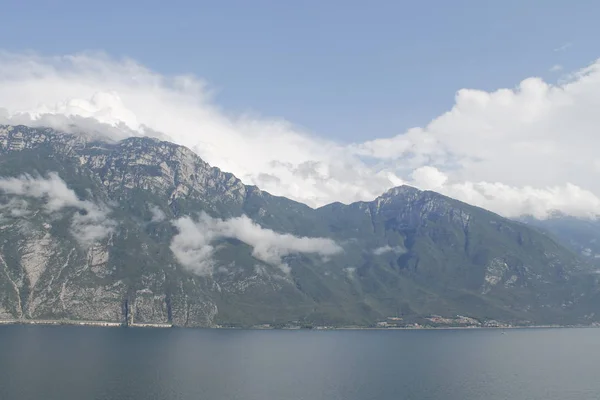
column 157, row 214
column 88, row 225
column 14, row 208
column 527, row 149
column 194, row 248
column 388, row 249
column 513, row 201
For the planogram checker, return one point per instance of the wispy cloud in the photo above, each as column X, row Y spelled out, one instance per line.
column 513, row 149
column 350, row 272
column 564, row 47
column 14, row 208
column 88, row 225
column 388, row 249
column 556, row 68
column 193, row 245
column 157, row 214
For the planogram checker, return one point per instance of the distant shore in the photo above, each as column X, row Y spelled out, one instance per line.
column 316, row 328
column 80, row 323
column 423, row 328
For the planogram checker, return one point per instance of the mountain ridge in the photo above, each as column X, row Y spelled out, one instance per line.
column 408, row 252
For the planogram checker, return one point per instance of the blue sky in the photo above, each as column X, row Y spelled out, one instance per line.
column 345, row 70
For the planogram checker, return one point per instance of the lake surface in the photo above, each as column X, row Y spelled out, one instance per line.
column 77, row 363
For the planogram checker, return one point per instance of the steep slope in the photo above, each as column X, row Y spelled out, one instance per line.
column 581, row 235
column 466, row 260
column 144, row 231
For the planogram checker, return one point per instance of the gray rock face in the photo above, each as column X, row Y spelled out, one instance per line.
column 87, row 226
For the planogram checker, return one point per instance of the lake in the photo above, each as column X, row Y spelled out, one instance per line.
column 77, row 363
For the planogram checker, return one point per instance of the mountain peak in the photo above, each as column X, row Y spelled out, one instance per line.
column 402, row 190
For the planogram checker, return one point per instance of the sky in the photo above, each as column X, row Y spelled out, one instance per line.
column 493, row 103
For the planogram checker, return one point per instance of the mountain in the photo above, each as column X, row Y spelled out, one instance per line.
column 144, row 231
column 582, row 235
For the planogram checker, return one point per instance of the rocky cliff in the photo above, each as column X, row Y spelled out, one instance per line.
column 144, row 231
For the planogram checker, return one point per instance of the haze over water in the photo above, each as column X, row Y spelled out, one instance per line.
column 73, row 363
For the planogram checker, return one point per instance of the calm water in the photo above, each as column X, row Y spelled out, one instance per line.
column 77, row 363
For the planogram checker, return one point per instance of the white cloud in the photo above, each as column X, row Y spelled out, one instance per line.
column 157, row 214
column 254, row 149
column 14, row 208
column 192, row 246
column 530, row 149
column 92, row 226
column 523, row 149
column 194, row 249
column 556, row 68
column 516, row 201
column 388, row 249
column 428, row 178
column 512, row 201
column 88, row 225
column 53, row 189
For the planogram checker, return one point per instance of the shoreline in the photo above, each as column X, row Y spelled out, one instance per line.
column 112, row 324
column 56, row 322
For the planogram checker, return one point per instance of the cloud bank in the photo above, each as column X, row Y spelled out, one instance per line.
column 530, row 149
column 194, row 249
column 90, row 224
